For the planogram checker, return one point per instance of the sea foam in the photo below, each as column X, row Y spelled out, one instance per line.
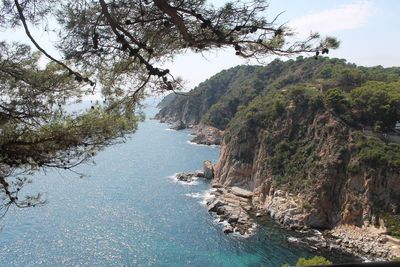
column 203, row 197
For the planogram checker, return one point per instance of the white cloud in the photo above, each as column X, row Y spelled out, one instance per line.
column 345, row 17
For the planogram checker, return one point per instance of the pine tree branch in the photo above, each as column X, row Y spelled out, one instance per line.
column 28, row 33
column 176, row 19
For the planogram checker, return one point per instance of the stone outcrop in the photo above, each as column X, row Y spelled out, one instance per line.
column 189, row 177
column 232, row 207
column 185, row 177
column 207, row 135
column 179, row 125
column 241, row 192
column 368, row 243
column 208, row 169
column 286, row 209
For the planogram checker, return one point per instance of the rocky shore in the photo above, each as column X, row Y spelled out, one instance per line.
column 232, row 206
column 203, row 134
column 237, row 208
column 305, row 163
column 366, row 242
column 290, row 211
column 188, row 177
column 207, row 135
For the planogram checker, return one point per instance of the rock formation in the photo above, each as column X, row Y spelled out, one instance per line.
column 232, row 206
column 208, row 169
column 207, row 135
column 293, row 146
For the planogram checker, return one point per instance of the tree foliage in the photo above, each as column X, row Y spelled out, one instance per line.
column 36, row 131
column 124, row 40
column 377, row 104
column 315, row 261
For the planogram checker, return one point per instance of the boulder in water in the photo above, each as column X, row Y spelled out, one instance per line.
column 185, row 177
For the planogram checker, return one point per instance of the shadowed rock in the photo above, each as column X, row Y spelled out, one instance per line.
column 208, row 169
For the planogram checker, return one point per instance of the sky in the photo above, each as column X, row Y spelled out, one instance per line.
column 368, row 31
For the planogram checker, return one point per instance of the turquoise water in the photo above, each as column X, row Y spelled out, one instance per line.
column 127, row 212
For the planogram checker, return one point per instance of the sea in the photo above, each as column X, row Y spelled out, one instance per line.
column 128, row 210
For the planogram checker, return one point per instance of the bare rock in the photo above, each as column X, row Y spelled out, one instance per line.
column 228, row 229
column 185, row 177
column 279, row 193
column 241, row 192
column 199, row 174
column 233, row 219
column 216, row 185
column 215, row 205
column 208, row 169
column 207, row 135
column 180, row 125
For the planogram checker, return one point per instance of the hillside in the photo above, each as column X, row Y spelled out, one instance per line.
column 191, row 108
column 315, row 142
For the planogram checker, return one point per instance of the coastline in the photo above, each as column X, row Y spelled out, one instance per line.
column 238, row 215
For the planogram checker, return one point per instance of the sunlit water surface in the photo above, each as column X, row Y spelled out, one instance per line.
column 126, row 211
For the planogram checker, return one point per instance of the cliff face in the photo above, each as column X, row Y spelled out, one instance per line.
column 304, row 166
column 293, row 135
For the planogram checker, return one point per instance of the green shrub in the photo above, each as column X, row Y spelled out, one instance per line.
column 392, row 223
column 315, row 261
column 377, row 104
column 336, row 100
column 375, row 152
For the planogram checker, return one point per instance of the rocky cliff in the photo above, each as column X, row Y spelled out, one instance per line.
column 296, row 142
column 316, row 159
column 307, row 168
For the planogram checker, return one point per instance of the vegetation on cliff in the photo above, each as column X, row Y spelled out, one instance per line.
column 317, row 138
column 216, row 101
column 318, row 128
